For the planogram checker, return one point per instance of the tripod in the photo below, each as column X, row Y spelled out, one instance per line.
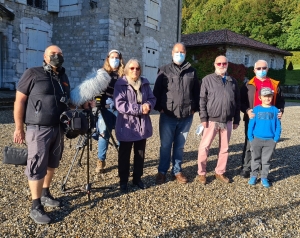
column 83, row 141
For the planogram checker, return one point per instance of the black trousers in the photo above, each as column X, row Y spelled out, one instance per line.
column 246, row 157
column 124, row 160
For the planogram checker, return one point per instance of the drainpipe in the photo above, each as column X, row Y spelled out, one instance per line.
column 178, row 21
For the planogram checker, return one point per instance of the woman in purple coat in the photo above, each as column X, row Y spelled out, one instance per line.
column 133, row 99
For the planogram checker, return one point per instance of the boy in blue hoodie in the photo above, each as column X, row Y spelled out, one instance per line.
column 263, row 133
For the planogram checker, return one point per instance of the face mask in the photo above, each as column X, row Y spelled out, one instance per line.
column 261, row 73
column 114, row 63
column 178, row 58
column 56, row 60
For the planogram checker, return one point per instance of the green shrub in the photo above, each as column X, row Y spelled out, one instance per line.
column 290, row 66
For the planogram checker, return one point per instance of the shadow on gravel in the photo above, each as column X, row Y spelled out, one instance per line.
column 67, row 208
column 258, row 219
column 233, row 164
column 285, row 163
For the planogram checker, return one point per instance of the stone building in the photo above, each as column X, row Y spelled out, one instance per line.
column 86, row 30
column 237, row 48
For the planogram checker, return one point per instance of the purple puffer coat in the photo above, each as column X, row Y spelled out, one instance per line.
column 132, row 124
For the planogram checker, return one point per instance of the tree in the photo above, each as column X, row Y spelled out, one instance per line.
column 290, row 66
column 274, row 22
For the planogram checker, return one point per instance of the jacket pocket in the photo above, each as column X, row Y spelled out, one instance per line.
column 33, row 165
column 214, row 107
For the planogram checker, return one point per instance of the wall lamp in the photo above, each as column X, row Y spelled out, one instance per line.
column 93, row 4
column 137, row 24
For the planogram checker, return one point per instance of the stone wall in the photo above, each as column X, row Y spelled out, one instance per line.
column 14, row 42
column 83, row 38
column 237, row 55
column 86, row 33
column 132, row 45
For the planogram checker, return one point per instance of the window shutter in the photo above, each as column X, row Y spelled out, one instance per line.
column 53, row 5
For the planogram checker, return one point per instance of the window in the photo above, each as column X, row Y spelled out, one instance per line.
column 246, row 62
column 152, row 14
column 41, row 4
column 272, row 64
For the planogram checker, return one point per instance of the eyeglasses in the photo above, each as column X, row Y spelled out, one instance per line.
column 133, row 68
column 223, row 64
column 261, row 68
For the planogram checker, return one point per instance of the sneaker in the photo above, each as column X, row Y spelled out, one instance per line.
column 49, row 201
column 160, row 178
column 265, row 182
column 124, row 188
column 100, row 166
column 252, row 180
column 39, row 215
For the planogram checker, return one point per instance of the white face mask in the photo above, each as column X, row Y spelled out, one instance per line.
column 114, row 63
column 178, row 58
column 261, row 73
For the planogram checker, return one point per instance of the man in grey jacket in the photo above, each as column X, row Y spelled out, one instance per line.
column 219, row 105
column 177, row 92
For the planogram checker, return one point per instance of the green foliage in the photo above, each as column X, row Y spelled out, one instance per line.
column 202, row 59
column 290, row 66
column 278, row 74
column 292, row 77
column 274, row 22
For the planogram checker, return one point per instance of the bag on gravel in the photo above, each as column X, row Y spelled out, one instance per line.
column 15, row 155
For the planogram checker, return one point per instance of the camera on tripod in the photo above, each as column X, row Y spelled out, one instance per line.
column 98, row 99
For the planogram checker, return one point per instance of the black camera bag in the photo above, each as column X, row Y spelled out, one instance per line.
column 74, row 123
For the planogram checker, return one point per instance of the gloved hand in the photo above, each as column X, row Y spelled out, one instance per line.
column 110, row 102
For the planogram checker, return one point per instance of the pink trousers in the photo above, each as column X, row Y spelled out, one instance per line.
column 209, row 134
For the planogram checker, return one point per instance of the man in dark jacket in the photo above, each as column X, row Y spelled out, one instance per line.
column 250, row 99
column 177, row 92
column 42, row 95
column 219, row 104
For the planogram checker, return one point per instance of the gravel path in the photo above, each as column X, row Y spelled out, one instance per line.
column 168, row 210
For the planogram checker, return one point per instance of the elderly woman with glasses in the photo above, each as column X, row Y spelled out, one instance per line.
column 134, row 100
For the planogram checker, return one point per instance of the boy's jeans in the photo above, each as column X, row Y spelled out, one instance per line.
column 172, row 131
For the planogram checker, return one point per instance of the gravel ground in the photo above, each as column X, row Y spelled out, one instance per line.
column 168, row 210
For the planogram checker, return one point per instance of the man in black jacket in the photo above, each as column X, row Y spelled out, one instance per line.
column 250, row 99
column 219, row 105
column 42, row 95
column 177, row 92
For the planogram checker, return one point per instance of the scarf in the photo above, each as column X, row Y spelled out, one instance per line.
column 136, row 86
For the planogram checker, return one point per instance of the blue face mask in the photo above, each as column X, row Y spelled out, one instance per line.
column 261, row 73
column 114, row 63
column 178, row 58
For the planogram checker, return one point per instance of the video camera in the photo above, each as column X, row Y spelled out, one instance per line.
column 98, row 99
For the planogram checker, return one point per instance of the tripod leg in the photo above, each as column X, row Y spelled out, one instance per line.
column 80, row 144
column 63, row 186
column 79, row 161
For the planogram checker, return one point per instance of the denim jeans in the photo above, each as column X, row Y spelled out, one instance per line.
column 173, row 132
column 104, row 130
